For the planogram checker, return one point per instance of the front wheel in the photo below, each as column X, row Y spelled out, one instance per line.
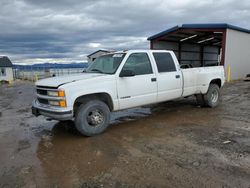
column 212, row 97
column 92, row 118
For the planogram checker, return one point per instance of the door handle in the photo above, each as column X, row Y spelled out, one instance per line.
column 177, row 76
column 153, row 79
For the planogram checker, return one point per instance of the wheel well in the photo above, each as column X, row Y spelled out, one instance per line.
column 97, row 96
column 216, row 81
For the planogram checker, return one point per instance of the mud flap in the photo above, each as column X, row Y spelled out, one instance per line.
column 35, row 111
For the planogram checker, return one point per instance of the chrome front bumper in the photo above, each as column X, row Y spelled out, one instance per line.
column 51, row 112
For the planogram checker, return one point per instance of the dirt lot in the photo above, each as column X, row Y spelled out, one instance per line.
column 174, row 144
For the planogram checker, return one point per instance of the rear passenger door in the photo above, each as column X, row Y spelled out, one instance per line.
column 169, row 78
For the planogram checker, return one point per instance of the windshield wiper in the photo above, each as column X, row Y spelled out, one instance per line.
column 97, row 70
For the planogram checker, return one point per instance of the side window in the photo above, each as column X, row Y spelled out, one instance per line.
column 139, row 63
column 164, row 62
column 2, row 72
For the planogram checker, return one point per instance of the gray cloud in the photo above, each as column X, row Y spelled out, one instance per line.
column 33, row 31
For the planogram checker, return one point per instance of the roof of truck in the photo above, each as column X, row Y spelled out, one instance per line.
column 139, row 50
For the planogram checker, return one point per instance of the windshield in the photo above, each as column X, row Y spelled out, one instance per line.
column 106, row 64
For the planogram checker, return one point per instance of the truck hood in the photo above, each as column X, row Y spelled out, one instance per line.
column 61, row 80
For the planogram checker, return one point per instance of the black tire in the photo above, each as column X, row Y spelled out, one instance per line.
column 92, row 118
column 212, row 97
column 200, row 99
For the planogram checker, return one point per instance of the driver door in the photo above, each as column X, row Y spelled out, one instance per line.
column 138, row 89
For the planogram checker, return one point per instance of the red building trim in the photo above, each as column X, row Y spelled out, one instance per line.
column 223, row 47
column 151, row 45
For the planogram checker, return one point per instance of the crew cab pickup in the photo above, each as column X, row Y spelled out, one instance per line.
column 122, row 80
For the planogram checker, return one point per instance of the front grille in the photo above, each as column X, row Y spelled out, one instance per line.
column 41, row 92
column 43, row 101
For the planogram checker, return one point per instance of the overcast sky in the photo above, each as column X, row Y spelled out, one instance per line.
column 38, row 31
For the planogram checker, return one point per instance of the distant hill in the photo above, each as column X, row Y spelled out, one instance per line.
column 52, row 65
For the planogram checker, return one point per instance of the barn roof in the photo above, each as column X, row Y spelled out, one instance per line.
column 5, row 62
column 199, row 26
column 101, row 50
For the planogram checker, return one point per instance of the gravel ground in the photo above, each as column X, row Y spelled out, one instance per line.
column 172, row 144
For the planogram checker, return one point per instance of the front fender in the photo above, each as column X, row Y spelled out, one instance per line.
column 78, row 89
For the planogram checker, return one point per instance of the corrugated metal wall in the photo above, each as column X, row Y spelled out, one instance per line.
column 237, row 54
column 191, row 53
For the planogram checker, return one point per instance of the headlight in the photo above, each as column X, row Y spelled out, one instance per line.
column 59, row 93
column 54, row 103
column 53, row 93
column 61, row 103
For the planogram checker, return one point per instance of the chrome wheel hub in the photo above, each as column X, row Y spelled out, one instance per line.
column 95, row 118
column 214, row 96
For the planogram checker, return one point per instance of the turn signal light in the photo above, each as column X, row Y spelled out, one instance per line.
column 62, row 103
column 61, row 93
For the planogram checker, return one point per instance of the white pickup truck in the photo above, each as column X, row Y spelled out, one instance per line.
column 123, row 80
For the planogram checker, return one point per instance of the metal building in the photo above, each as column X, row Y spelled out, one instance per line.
column 6, row 69
column 91, row 57
column 198, row 45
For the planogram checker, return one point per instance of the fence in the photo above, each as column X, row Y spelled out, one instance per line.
column 34, row 74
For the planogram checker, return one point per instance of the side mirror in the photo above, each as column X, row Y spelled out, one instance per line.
column 127, row 73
